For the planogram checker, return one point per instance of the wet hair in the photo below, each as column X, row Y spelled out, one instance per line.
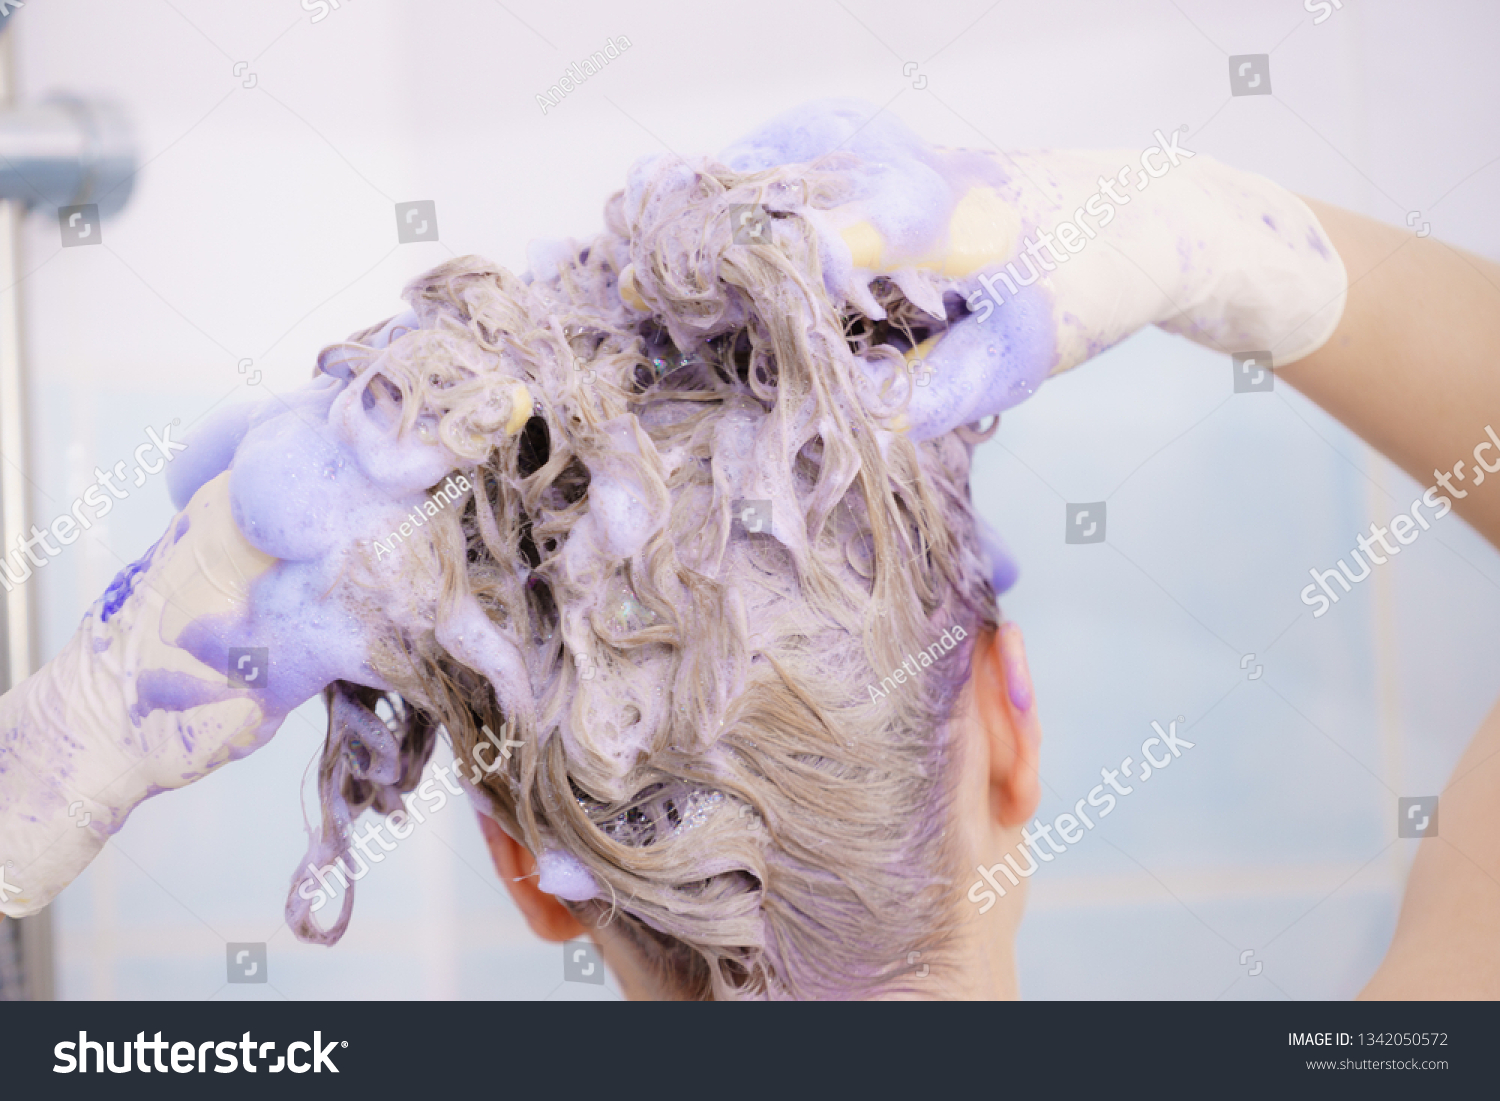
column 701, row 528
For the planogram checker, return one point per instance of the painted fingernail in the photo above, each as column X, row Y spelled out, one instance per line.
column 1020, row 691
column 1017, row 676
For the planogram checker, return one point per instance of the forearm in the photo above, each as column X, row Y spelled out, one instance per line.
column 1447, row 942
column 1414, row 365
column 1057, row 259
column 122, row 712
column 115, row 717
column 46, row 771
column 1411, row 369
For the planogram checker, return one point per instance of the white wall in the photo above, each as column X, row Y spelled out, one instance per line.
column 262, row 227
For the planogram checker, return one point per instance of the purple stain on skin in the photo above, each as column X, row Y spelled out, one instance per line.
column 183, row 523
column 1269, row 221
column 1316, row 244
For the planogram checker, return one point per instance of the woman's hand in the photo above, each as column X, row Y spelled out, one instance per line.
column 310, row 538
column 1055, row 255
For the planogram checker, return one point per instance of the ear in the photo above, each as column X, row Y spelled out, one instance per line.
column 548, row 918
column 1006, row 708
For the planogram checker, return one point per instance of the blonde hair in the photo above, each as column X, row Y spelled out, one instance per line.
column 711, row 739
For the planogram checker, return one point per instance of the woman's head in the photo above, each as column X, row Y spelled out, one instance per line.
column 746, row 603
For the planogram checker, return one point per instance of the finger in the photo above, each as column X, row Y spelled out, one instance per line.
column 983, row 365
column 981, row 231
column 1018, row 683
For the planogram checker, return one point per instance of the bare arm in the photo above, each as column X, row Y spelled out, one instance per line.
column 1232, row 261
column 1412, row 368
column 1447, row 942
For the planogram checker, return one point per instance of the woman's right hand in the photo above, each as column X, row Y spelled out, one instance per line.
column 1057, row 255
column 196, row 653
column 307, row 541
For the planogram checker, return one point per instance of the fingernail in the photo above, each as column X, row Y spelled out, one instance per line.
column 1020, row 691
column 1017, row 676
